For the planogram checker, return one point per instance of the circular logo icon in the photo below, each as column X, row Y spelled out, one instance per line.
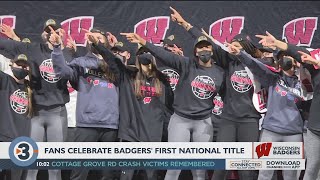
column 47, row 71
column 203, row 87
column 19, row 101
column 240, row 81
column 23, row 151
column 173, row 77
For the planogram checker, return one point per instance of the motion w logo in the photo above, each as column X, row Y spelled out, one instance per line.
column 263, row 149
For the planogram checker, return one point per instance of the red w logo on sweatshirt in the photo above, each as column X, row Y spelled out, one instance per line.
column 147, row 100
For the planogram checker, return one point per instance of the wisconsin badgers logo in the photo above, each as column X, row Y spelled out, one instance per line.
column 240, row 81
column 8, row 20
column 19, row 101
column 47, row 71
column 300, row 31
column 73, row 27
column 203, row 87
column 146, row 100
column 153, row 29
column 223, row 30
column 263, row 149
column 173, row 77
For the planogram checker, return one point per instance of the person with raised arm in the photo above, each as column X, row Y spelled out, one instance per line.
column 144, row 93
column 200, row 80
column 312, row 142
column 50, row 93
column 16, row 105
column 283, row 121
column 97, row 110
column 239, row 120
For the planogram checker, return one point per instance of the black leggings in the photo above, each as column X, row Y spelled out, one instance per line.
column 93, row 135
column 230, row 131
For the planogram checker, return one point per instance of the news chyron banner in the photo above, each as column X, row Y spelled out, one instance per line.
column 24, row 153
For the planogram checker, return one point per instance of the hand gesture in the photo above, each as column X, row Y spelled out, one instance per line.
column 71, row 44
column 9, row 32
column 91, row 37
column 175, row 16
column 233, row 49
column 176, row 50
column 134, row 38
column 306, row 58
column 54, row 38
column 267, row 40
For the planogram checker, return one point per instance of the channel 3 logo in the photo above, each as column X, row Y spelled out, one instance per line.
column 23, row 151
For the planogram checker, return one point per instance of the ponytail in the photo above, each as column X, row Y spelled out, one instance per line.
column 29, row 92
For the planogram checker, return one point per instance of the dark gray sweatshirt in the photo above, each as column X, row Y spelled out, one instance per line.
column 284, row 98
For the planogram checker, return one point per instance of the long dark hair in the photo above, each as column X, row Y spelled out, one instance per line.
column 250, row 49
column 107, row 74
column 141, row 77
column 245, row 41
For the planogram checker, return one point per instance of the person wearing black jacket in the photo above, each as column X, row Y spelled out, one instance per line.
column 172, row 44
column 50, row 93
column 16, row 104
column 200, row 80
column 144, row 92
column 312, row 142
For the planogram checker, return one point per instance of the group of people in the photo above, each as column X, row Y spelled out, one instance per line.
column 161, row 96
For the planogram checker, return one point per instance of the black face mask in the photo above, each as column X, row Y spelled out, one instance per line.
column 122, row 58
column 286, row 63
column 268, row 61
column 145, row 58
column 204, row 56
column 19, row 73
